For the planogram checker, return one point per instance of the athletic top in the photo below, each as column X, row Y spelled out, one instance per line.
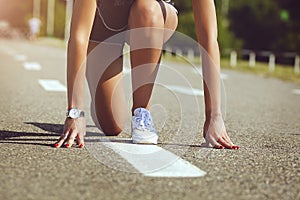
column 111, row 17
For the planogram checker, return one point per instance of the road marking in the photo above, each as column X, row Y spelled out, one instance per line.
column 296, row 91
column 224, row 76
column 154, row 161
column 52, row 85
column 185, row 90
column 176, row 88
column 32, row 66
column 20, row 57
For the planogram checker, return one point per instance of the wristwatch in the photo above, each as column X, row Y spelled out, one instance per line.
column 75, row 113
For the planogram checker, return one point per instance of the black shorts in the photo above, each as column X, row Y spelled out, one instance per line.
column 111, row 18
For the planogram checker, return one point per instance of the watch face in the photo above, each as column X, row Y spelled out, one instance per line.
column 74, row 113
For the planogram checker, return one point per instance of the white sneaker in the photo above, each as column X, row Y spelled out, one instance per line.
column 142, row 130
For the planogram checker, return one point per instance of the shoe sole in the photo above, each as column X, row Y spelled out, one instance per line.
column 149, row 140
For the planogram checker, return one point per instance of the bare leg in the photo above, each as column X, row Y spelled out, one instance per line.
column 146, row 45
column 108, row 100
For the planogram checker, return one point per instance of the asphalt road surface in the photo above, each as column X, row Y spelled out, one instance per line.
column 262, row 116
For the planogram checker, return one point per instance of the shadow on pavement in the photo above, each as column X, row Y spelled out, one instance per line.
column 54, row 128
column 186, row 145
column 57, row 128
column 27, row 138
column 53, row 131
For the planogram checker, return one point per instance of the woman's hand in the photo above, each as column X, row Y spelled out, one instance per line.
column 73, row 128
column 215, row 133
column 80, row 30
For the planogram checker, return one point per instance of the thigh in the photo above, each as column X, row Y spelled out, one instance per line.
column 104, row 76
column 171, row 20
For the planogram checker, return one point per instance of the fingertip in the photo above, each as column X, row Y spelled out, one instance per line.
column 56, row 145
column 224, row 144
column 79, row 140
column 67, row 145
column 235, row 147
column 219, row 147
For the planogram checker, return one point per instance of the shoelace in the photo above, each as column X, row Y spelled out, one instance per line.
column 144, row 120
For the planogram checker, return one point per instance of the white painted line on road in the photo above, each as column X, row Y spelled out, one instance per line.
column 224, row 76
column 296, row 91
column 32, row 66
column 185, row 90
column 20, row 57
column 154, row 161
column 176, row 88
column 52, row 85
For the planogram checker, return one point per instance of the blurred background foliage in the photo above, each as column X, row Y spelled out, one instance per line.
column 255, row 25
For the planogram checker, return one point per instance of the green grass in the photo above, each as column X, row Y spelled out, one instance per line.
column 283, row 72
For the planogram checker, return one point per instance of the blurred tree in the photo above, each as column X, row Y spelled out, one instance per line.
column 183, row 6
column 60, row 16
column 256, row 23
column 266, row 25
column 290, row 16
column 226, row 37
column 186, row 23
column 186, row 18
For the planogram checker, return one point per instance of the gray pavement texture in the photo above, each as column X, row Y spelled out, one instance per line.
column 262, row 117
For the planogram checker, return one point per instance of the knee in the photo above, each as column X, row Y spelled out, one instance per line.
column 145, row 14
column 111, row 131
column 108, row 128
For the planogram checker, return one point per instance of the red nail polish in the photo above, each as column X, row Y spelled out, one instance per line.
column 55, row 145
column 81, row 145
column 235, row 147
column 67, row 145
